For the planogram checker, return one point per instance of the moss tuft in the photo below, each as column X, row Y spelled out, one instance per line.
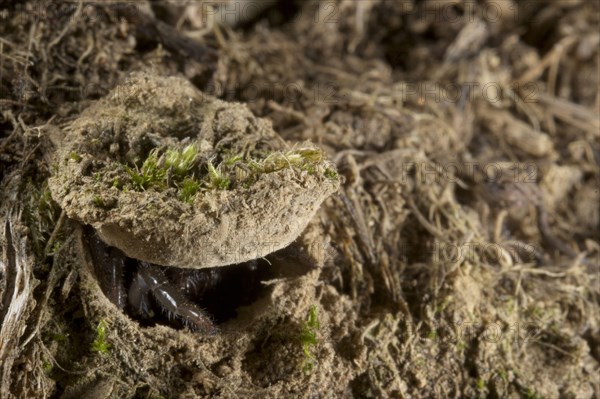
column 41, row 214
column 98, row 201
column 75, row 156
column 217, row 179
column 309, row 339
column 188, row 189
column 150, row 174
column 100, row 345
column 180, row 163
column 180, row 169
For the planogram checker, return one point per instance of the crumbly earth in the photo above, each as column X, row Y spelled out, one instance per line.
column 220, row 226
column 458, row 259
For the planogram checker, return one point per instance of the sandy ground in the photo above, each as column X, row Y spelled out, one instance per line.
column 455, row 253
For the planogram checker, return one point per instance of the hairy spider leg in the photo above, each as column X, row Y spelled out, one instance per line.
column 172, row 301
column 195, row 283
column 139, row 298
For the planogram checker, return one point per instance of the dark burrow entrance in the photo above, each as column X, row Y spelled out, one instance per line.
column 218, row 291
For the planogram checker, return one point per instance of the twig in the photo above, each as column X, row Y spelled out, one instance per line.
column 534, row 73
column 151, row 29
column 54, row 234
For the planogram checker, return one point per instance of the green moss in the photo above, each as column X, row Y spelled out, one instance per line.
column 503, row 374
column 180, row 169
column 47, row 367
column 40, row 214
column 75, row 156
column 309, row 339
column 98, row 201
column 233, row 160
column 217, row 179
column 58, row 337
column 188, row 189
column 331, row 174
column 100, row 345
column 150, row 174
column 161, row 171
column 480, row 384
column 181, row 162
column 531, row 393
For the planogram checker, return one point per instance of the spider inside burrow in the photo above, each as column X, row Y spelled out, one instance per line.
column 197, row 299
column 167, row 175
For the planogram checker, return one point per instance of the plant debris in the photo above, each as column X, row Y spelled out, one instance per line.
column 460, row 256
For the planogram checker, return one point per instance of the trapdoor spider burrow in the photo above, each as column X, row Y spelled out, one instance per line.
column 196, row 299
column 179, row 191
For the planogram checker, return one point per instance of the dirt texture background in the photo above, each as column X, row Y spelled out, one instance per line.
column 459, row 258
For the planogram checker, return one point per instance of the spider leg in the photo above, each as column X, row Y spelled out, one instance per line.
column 195, row 283
column 172, row 301
column 109, row 264
column 139, row 298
